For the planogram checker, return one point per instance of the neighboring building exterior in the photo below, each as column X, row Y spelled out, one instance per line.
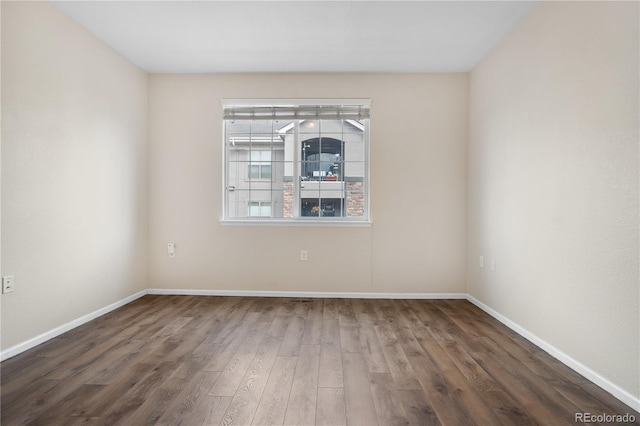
column 264, row 159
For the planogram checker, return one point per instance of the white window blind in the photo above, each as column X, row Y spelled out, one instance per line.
column 353, row 109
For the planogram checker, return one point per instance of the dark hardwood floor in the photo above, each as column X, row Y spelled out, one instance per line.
column 192, row 360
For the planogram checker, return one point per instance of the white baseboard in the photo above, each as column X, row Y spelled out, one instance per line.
column 31, row 343
column 580, row 368
column 305, row 294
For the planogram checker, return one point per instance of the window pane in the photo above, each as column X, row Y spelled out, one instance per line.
column 237, row 203
column 355, row 201
column 309, row 126
column 278, row 172
column 259, row 204
column 260, row 209
column 310, row 207
column 278, row 203
column 238, row 174
column 266, row 172
column 354, row 170
column 254, row 209
column 330, row 207
column 260, row 156
column 265, row 210
column 254, row 171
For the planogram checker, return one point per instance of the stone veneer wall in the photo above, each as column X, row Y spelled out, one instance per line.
column 287, row 199
column 355, row 199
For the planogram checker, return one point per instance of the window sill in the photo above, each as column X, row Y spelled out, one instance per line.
column 297, row 222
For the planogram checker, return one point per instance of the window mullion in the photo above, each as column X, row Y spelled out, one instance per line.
column 343, row 204
column 250, row 180
column 320, row 158
column 296, row 169
column 272, row 156
column 225, row 172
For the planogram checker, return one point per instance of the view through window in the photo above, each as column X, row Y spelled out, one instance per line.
column 296, row 161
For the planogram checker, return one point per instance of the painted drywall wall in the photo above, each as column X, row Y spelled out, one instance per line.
column 74, row 175
column 418, row 164
column 0, row 170
column 553, row 183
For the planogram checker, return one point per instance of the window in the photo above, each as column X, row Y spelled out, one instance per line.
column 259, row 209
column 294, row 160
column 260, row 165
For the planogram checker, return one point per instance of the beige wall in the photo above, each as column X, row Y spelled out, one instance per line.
column 73, row 172
column 418, row 163
column 553, row 183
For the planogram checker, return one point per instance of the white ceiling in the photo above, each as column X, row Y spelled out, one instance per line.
column 300, row 36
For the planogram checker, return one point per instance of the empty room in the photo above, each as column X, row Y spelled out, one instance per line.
column 320, row 212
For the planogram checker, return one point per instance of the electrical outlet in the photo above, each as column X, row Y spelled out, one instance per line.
column 303, row 255
column 481, row 261
column 171, row 250
column 8, row 284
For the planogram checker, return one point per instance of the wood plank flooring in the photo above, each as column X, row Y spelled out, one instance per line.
column 196, row 360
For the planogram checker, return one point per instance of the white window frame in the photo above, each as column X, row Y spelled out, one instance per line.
column 305, row 109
